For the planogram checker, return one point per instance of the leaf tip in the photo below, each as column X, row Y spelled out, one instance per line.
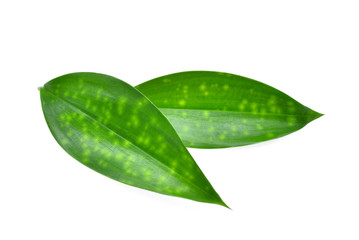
column 312, row 115
column 220, row 202
column 224, row 205
column 316, row 115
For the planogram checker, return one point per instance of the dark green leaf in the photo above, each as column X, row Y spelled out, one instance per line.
column 215, row 109
column 112, row 128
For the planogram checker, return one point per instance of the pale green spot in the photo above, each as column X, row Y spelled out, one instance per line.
column 84, row 138
column 245, row 132
column 198, row 125
column 88, row 104
column 244, row 120
column 241, row 106
column 185, row 188
column 206, row 93
column 291, row 120
column 234, row 128
column 70, row 133
column 85, row 160
column 140, row 139
column 254, row 107
column 116, row 142
column 103, row 163
column 147, row 173
column 66, row 94
column 154, row 120
column 259, row 127
column 135, row 120
column 141, row 102
column 225, row 87
column 87, row 153
column 273, row 109
column 163, row 145
column 270, row 135
column 127, row 164
column 105, row 121
column 98, row 93
column 147, row 141
column 182, row 102
column 184, row 114
column 160, row 138
column 110, row 105
column 190, row 177
column 64, row 141
column 83, row 92
column 272, row 100
column 120, row 109
column 222, row 137
column 161, row 179
column 202, row 87
column 166, row 80
column 174, row 164
column 106, row 152
column 206, row 113
column 122, row 100
column 108, row 114
column 179, row 190
column 185, row 128
column 210, row 129
column 119, row 156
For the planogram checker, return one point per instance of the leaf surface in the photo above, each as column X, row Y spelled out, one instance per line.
column 113, row 129
column 217, row 110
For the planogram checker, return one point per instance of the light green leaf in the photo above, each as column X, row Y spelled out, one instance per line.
column 113, row 129
column 217, row 110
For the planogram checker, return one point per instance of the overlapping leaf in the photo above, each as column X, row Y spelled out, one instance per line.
column 214, row 109
column 113, row 129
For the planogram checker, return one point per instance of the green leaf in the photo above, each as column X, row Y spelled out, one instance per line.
column 113, row 129
column 217, row 110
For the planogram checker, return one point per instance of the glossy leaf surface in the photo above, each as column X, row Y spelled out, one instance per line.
column 113, row 129
column 215, row 109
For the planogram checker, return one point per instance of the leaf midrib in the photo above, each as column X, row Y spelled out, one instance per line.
column 239, row 112
column 158, row 163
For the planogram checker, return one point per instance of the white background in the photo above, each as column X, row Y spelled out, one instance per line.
column 303, row 186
